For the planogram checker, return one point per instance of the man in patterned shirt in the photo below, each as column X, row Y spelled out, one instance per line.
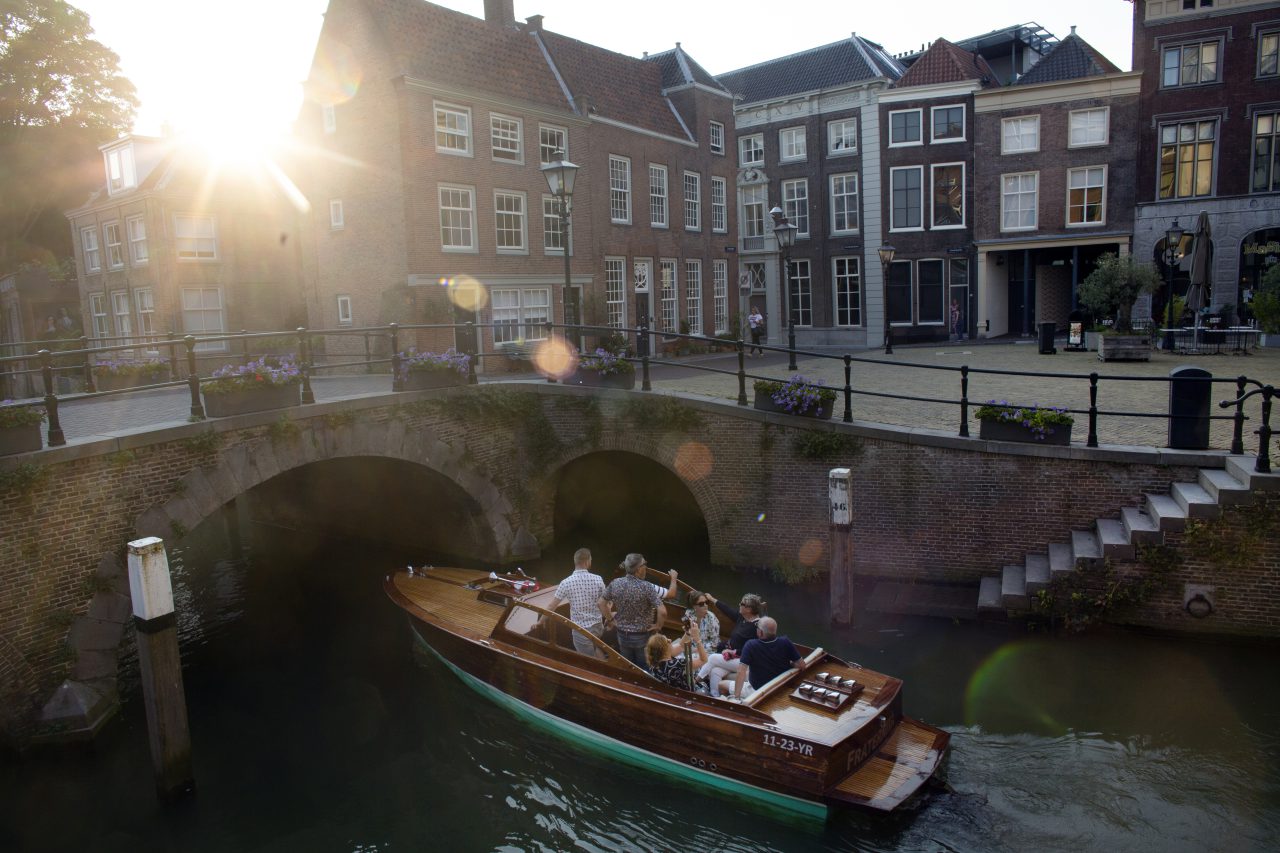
column 638, row 610
column 582, row 590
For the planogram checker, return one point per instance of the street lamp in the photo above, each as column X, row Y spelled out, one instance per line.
column 560, row 175
column 1172, row 242
column 886, row 258
column 785, row 232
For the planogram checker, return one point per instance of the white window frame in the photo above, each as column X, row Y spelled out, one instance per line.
column 1019, row 120
column 615, row 292
column 836, row 133
column 793, row 140
column 659, row 209
column 919, row 140
column 519, row 216
column 199, row 248
column 144, row 304
column 337, row 218
column 841, row 279
column 720, row 296
column 551, row 227
column 470, row 212
column 89, row 248
column 619, row 189
column 460, row 131
column 205, row 311
column 801, row 286
column 693, row 295
column 550, row 151
column 934, row 139
column 933, row 197
column 795, row 205
column 668, row 297
column 692, row 184
column 121, row 313
column 835, row 194
column 510, row 153
column 346, row 317
column 893, row 226
column 136, row 230
column 532, row 310
column 122, row 173
column 1084, row 207
column 1019, row 192
column 1088, row 127
column 715, row 137
column 719, row 205
column 114, row 244
column 329, row 118
column 99, row 317
column 751, row 150
column 753, row 197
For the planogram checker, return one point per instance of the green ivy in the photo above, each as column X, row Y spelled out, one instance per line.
column 1090, row 593
column 666, row 414
column 793, row 573
column 178, row 529
column 1234, row 546
column 121, row 458
column 205, row 442
column 335, row 420
column 26, row 479
column 284, row 429
column 825, row 444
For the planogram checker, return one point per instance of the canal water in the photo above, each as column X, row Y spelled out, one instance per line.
column 316, row 728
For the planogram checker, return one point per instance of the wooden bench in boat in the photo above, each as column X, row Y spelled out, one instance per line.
column 773, row 685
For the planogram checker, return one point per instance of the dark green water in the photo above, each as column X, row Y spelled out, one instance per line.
column 315, row 729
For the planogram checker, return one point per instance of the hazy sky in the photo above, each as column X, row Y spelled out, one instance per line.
column 214, row 63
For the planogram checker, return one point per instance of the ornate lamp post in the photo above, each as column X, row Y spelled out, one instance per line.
column 560, row 175
column 1172, row 242
column 785, row 232
column 886, row 258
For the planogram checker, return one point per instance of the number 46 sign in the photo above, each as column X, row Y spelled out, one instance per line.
column 840, row 487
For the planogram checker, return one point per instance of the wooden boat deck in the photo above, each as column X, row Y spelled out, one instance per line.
column 443, row 594
column 907, row 758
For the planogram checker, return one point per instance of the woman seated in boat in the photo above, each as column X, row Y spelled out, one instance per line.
column 667, row 658
column 724, row 664
column 699, row 607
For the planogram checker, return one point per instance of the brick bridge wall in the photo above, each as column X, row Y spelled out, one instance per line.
column 926, row 506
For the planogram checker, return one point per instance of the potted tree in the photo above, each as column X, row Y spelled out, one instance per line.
column 1004, row 422
column 420, row 371
column 1110, row 291
column 603, row 369
column 238, row 389
column 20, row 428
column 796, row 396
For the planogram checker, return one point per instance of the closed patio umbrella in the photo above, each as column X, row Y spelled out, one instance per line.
column 1201, row 251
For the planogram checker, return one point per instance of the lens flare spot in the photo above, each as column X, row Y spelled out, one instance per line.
column 760, row 518
column 336, row 74
column 465, row 292
column 555, row 357
column 810, row 552
column 693, row 461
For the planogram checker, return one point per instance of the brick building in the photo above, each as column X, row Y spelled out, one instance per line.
column 1210, row 130
column 1055, row 179
column 173, row 242
column 808, row 142
column 431, row 128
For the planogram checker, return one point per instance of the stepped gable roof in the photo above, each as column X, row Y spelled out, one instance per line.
column 1071, row 59
column 945, row 62
column 850, row 60
column 680, row 69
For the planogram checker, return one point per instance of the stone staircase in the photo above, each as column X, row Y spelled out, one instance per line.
column 1011, row 594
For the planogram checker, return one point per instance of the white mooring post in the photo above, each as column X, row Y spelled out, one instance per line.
column 161, row 667
column 840, row 488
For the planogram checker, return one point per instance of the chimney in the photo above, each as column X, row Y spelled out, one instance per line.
column 500, row 12
column 533, row 24
column 1073, row 29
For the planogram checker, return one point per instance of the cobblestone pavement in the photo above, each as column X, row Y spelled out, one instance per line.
column 910, row 371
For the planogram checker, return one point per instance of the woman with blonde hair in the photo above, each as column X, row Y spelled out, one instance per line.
column 750, row 609
column 667, row 660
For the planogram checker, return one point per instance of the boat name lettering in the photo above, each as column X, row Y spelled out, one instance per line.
column 864, row 752
column 787, row 744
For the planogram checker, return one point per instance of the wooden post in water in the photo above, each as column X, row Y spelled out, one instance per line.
column 840, row 488
column 161, row 667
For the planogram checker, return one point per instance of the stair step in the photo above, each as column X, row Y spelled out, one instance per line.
column 1167, row 513
column 1224, row 487
column 1114, row 539
column 1195, row 500
column 1140, row 526
column 1037, row 573
column 1013, row 588
column 1241, row 467
column 1085, row 546
column 989, row 600
column 1060, row 559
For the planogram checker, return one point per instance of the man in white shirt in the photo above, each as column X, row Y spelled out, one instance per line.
column 582, row 590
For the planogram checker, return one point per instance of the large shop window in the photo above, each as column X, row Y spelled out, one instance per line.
column 931, row 296
column 898, row 290
column 520, row 314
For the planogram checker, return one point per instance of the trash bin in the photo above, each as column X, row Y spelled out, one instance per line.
column 1190, row 396
column 1046, row 338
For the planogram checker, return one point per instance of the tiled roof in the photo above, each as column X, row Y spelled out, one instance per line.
column 680, row 69
column 848, row 61
column 944, row 62
column 1072, row 59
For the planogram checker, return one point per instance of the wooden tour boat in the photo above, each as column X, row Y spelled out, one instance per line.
column 800, row 744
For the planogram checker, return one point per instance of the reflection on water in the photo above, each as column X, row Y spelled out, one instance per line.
column 316, row 728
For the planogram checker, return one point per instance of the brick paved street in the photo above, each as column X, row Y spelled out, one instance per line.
column 82, row 420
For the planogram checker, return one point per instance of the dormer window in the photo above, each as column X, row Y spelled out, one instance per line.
column 121, row 174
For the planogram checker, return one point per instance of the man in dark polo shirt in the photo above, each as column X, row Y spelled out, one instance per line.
column 764, row 659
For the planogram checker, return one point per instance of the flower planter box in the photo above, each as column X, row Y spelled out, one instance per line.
column 121, row 382
column 595, row 379
column 1124, row 347
column 243, row 402
column 764, row 403
column 993, row 430
column 23, row 438
column 425, row 380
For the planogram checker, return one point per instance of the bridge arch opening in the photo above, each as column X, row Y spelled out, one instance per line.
column 615, row 502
